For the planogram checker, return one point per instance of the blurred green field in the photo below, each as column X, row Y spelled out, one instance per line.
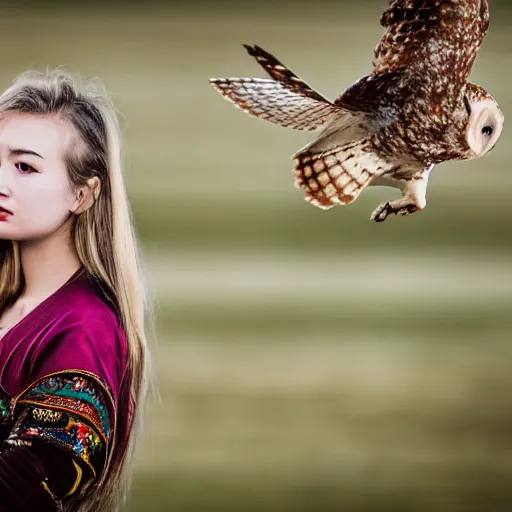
column 307, row 360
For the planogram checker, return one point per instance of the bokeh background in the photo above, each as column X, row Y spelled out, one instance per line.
column 306, row 360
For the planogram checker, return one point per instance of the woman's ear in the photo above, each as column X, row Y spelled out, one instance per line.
column 86, row 196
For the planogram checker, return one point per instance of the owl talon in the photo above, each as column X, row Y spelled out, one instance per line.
column 407, row 210
column 382, row 212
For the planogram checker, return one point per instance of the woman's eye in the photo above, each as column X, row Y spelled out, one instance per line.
column 24, row 168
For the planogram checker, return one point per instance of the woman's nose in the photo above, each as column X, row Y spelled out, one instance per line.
column 5, row 186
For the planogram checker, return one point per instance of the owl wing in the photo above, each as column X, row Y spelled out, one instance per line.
column 275, row 102
column 282, row 74
column 286, row 99
column 440, row 38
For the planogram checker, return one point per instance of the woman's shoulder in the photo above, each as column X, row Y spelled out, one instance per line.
column 84, row 333
column 86, row 316
column 86, row 306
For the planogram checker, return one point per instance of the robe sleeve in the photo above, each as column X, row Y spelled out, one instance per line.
column 65, row 418
column 25, row 474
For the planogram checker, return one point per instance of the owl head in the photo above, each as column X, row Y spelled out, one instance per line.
column 485, row 122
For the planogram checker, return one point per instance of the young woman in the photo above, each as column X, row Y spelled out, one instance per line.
column 73, row 361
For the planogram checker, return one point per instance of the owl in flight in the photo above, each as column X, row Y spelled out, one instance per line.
column 415, row 109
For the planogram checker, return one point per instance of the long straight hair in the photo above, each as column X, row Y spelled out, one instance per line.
column 103, row 236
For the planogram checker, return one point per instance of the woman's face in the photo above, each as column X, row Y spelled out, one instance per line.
column 35, row 196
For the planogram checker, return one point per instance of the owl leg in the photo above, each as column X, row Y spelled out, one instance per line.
column 413, row 198
column 399, row 207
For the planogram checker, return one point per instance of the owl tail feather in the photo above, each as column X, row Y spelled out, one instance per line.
column 338, row 175
column 275, row 102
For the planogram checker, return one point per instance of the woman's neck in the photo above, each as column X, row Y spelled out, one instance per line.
column 47, row 264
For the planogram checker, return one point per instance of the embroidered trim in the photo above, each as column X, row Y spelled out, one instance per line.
column 70, row 434
column 46, row 487
column 73, row 394
column 75, row 486
column 70, row 409
column 4, row 411
column 18, row 442
column 46, row 415
column 5, row 400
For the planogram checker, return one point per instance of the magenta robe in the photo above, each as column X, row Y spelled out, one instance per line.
column 65, row 408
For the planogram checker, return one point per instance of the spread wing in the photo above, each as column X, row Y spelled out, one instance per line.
column 441, row 36
column 275, row 102
column 283, row 74
column 285, row 99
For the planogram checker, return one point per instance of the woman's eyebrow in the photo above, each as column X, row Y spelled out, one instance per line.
column 21, row 151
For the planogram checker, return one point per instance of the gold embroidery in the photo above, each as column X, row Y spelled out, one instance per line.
column 79, row 473
column 46, row 415
column 56, row 500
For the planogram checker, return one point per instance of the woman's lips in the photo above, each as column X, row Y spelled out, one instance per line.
column 4, row 214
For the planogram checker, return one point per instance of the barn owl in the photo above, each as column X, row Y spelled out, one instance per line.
column 414, row 110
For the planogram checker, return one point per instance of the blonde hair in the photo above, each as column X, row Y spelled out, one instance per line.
column 103, row 236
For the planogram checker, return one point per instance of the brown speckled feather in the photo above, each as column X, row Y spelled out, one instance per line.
column 275, row 102
column 338, row 175
column 281, row 73
column 440, row 35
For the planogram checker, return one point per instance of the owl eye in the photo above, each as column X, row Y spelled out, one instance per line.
column 484, row 126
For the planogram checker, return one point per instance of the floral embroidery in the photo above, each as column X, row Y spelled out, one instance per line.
column 69, row 432
column 74, row 394
column 72, row 410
